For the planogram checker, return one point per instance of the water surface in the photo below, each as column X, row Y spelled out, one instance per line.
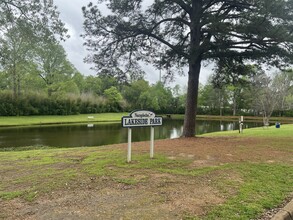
column 102, row 134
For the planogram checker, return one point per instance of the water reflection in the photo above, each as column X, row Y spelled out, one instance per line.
column 102, row 134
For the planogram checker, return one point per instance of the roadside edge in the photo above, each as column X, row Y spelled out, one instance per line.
column 285, row 213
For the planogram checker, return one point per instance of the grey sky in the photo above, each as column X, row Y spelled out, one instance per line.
column 71, row 15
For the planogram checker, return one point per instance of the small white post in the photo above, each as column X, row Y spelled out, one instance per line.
column 129, row 146
column 152, row 142
column 241, row 124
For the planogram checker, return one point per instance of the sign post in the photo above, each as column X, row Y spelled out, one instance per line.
column 152, row 142
column 129, row 146
column 141, row 118
column 241, row 124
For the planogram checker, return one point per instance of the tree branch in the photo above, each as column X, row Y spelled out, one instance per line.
column 171, row 19
column 183, row 5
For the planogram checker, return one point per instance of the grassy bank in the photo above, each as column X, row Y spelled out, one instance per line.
column 45, row 120
column 109, row 117
column 288, row 120
column 231, row 188
column 285, row 130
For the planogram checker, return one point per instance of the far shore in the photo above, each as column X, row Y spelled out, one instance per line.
column 11, row 121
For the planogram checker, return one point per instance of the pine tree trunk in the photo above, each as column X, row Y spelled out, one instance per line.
column 14, row 83
column 234, row 103
column 191, row 100
column 18, row 86
column 194, row 70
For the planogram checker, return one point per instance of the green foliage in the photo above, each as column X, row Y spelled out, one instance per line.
column 38, row 104
column 255, row 94
column 114, row 99
column 42, row 15
column 134, row 91
column 27, row 26
column 159, row 98
column 52, row 65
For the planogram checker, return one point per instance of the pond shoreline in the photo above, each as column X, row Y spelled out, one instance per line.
column 97, row 134
column 15, row 121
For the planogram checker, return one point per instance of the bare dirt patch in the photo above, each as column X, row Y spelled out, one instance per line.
column 156, row 195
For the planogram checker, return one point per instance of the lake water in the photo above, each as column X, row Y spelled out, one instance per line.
column 102, row 134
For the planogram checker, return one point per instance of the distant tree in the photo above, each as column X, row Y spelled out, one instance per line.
column 79, row 80
column 23, row 25
column 122, row 77
column 4, row 81
column 283, row 83
column 265, row 95
column 41, row 15
column 173, row 34
column 31, row 82
column 146, row 100
column 108, row 82
column 178, row 101
column 15, row 50
column 133, row 92
column 114, row 98
column 232, row 74
column 164, row 96
column 52, row 63
column 213, row 99
column 93, row 85
column 68, row 87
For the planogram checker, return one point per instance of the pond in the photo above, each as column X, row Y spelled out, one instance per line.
column 102, row 133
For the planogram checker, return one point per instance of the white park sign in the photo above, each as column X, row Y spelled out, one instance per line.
column 141, row 118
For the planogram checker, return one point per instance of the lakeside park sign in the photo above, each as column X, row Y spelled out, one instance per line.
column 141, row 118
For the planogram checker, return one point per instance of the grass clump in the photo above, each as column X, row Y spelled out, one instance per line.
column 10, row 195
column 263, row 186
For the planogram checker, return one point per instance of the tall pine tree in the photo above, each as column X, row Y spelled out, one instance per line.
column 173, row 34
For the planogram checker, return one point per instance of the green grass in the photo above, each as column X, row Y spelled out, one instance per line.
column 258, row 186
column 42, row 171
column 43, row 120
column 10, row 195
column 270, row 132
column 263, row 187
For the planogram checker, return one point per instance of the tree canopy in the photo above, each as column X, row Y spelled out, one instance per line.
column 173, row 34
column 41, row 15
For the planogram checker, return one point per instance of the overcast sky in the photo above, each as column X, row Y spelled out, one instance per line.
column 71, row 15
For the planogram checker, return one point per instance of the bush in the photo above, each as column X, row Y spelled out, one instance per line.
column 38, row 104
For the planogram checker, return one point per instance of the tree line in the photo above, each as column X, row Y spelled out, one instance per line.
column 247, row 90
column 225, row 93
column 36, row 77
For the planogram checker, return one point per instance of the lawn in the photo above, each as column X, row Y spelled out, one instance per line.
column 41, row 120
column 223, row 175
